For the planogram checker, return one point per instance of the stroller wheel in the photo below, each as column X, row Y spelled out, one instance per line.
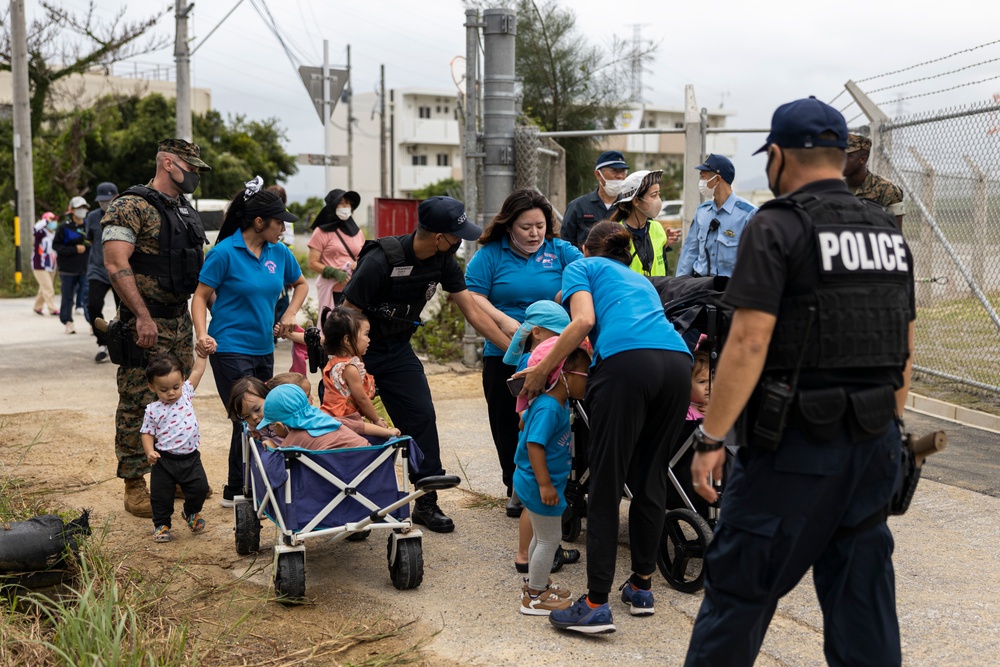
column 685, row 538
column 247, row 529
column 571, row 525
column 290, row 577
column 359, row 536
column 407, row 569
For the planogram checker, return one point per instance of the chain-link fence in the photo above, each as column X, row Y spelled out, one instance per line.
column 540, row 163
column 948, row 165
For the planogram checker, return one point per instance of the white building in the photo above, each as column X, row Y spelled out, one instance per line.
column 656, row 151
column 422, row 144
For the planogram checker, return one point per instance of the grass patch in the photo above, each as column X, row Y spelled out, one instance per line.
column 959, row 338
column 476, row 499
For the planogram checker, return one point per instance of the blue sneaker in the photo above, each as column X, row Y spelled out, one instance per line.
column 640, row 602
column 581, row 618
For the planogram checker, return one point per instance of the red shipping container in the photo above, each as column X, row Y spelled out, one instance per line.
column 394, row 217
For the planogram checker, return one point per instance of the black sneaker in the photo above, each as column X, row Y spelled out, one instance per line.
column 427, row 513
column 514, row 506
column 228, row 495
column 102, row 354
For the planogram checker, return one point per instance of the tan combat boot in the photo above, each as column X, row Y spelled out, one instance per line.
column 137, row 498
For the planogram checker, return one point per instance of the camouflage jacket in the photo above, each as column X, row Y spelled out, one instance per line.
column 134, row 220
column 881, row 190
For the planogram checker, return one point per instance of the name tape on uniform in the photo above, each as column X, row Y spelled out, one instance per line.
column 401, row 271
column 860, row 249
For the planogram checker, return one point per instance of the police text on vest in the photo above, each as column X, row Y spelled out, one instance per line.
column 853, row 250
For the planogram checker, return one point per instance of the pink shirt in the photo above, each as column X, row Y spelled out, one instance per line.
column 174, row 426
column 333, row 253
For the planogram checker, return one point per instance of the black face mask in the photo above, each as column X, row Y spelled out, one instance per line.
column 452, row 248
column 189, row 182
column 777, row 179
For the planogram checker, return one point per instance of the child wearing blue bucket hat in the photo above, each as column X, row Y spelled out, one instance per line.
column 288, row 412
column 542, row 319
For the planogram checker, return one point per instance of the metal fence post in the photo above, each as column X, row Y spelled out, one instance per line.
column 694, row 142
column 924, row 256
column 979, row 222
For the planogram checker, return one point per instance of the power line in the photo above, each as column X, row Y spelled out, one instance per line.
column 928, row 62
column 274, row 31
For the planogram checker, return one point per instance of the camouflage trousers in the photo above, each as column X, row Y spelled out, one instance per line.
column 175, row 335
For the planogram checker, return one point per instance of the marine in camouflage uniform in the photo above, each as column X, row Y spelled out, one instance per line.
column 866, row 185
column 136, row 221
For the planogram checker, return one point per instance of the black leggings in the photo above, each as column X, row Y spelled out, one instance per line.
column 636, row 402
column 503, row 418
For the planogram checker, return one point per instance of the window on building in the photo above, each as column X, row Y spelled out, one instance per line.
column 446, row 109
column 437, row 109
column 679, row 126
column 425, row 112
column 443, row 159
column 419, row 160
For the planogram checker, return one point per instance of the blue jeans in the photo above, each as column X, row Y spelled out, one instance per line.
column 228, row 367
column 71, row 286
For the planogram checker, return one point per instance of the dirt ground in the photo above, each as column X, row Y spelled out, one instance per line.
column 57, row 433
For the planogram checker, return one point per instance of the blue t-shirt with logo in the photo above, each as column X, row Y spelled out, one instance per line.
column 246, row 291
column 546, row 423
column 512, row 282
column 629, row 314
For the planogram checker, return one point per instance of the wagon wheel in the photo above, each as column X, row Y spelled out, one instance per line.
column 685, row 538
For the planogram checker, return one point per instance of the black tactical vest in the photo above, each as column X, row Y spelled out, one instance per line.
column 182, row 238
column 861, row 296
column 394, row 311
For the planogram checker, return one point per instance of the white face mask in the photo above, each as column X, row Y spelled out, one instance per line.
column 703, row 186
column 343, row 213
column 80, row 213
column 613, row 188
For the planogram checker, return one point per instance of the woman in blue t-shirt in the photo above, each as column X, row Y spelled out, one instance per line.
column 521, row 262
column 245, row 272
column 637, row 395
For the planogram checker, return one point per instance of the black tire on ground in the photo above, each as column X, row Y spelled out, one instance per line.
column 408, row 570
column 359, row 537
column 290, row 577
column 572, row 524
column 247, row 529
column 686, row 536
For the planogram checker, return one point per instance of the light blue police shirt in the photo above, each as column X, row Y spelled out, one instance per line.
column 710, row 253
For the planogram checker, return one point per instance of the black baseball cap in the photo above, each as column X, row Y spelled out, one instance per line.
column 444, row 215
column 611, row 160
column 721, row 165
column 106, row 192
column 269, row 207
column 798, row 124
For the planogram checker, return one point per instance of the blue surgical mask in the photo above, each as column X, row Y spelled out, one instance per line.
column 52, row 226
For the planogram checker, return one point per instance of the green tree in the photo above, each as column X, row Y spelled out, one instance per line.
column 446, row 187
column 569, row 83
column 63, row 43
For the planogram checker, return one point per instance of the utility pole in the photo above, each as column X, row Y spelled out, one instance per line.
column 499, row 33
column 24, row 184
column 327, row 112
column 350, row 122
column 182, row 59
column 381, row 103
column 470, row 341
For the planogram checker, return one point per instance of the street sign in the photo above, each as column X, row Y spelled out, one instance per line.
column 312, row 77
column 319, row 160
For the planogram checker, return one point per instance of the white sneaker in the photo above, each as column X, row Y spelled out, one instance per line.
column 70, row 329
column 102, row 354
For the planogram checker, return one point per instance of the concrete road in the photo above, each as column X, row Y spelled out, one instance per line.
column 947, row 561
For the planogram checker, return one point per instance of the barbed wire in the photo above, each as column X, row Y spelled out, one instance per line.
column 928, row 62
column 943, row 90
column 933, row 76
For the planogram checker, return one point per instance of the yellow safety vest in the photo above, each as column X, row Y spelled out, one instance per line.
column 658, row 237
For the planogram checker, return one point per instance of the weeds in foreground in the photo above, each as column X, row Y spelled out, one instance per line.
column 476, row 499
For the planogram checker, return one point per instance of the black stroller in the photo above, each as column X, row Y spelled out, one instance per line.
column 694, row 307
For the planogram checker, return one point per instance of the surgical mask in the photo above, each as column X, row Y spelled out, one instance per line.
column 343, row 213
column 654, row 206
column 190, row 181
column 52, row 226
column 613, row 188
column 703, row 187
column 80, row 213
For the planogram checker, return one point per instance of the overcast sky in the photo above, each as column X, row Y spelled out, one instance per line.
column 748, row 56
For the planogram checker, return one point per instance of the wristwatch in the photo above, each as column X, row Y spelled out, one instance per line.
column 704, row 443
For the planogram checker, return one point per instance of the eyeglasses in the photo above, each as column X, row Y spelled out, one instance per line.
column 581, row 373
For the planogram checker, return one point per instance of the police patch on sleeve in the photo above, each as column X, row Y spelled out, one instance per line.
column 853, row 250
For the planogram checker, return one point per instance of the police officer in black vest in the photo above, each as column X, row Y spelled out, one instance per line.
column 395, row 278
column 818, row 362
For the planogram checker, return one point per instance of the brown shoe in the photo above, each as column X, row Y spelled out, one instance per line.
column 137, row 498
column 542, row 604
column 179, row 493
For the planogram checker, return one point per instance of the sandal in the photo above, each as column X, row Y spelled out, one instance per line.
column 194, row 522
